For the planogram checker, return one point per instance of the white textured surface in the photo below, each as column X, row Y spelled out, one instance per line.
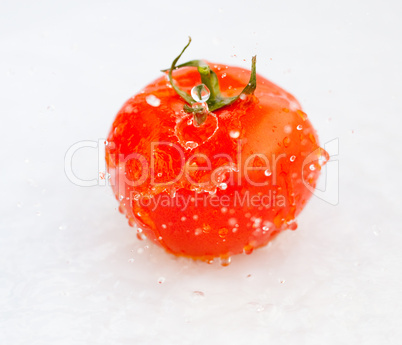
column 72, row 271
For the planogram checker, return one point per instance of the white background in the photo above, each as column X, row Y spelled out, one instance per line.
column 71, row 269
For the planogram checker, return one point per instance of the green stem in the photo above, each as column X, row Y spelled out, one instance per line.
column 210, row 79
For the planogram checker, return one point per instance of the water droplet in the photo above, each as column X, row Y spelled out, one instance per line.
column 312, row 167
column 131, row 222
column 198, row 295
column 153, row 101
column 206, row 228
column 195, row 217
column 234, row 133
column 200, row 93
column 140, row 234
column 232, row 221
column 286, row 141
column 223, row 232
column 243, row 96
column 254, row 306
column 161, row 280
column 292, row 158
column 225, row 260
column 223, row 75
column 302, row 114
column 183, row 219
column 299, row 127
column 248, row 249
column 292, row 225
column 324, row 157
column 164, row 226
column 198, row 231
column 190, row 145
column 223, row 186
column 159, row 174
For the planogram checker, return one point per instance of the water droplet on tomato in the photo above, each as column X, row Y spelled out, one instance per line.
column 312, row 167
column 140, row 234
column 223, row 232
column 292, row 225
column 234, row 133
column 198, row 231
column 302, row 114
column 223, row 186
column 200, row 93
column 153, row 101
column 299, row 127
column 225, row 260
column 232, row 221
column 223, row 75
column 131, row 222
column 248, row 249
column 292, row 158
column 267, row 173
column 206, row 228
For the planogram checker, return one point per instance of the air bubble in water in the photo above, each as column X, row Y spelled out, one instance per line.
column 200, row 93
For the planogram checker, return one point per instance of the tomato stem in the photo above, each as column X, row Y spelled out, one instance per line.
column 210, row 79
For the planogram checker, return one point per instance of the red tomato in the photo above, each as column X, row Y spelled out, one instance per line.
column 223, row 186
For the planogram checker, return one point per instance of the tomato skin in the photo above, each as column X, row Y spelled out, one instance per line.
column 269, row 123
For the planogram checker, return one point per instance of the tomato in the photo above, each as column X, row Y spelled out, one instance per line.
column 212, row 178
